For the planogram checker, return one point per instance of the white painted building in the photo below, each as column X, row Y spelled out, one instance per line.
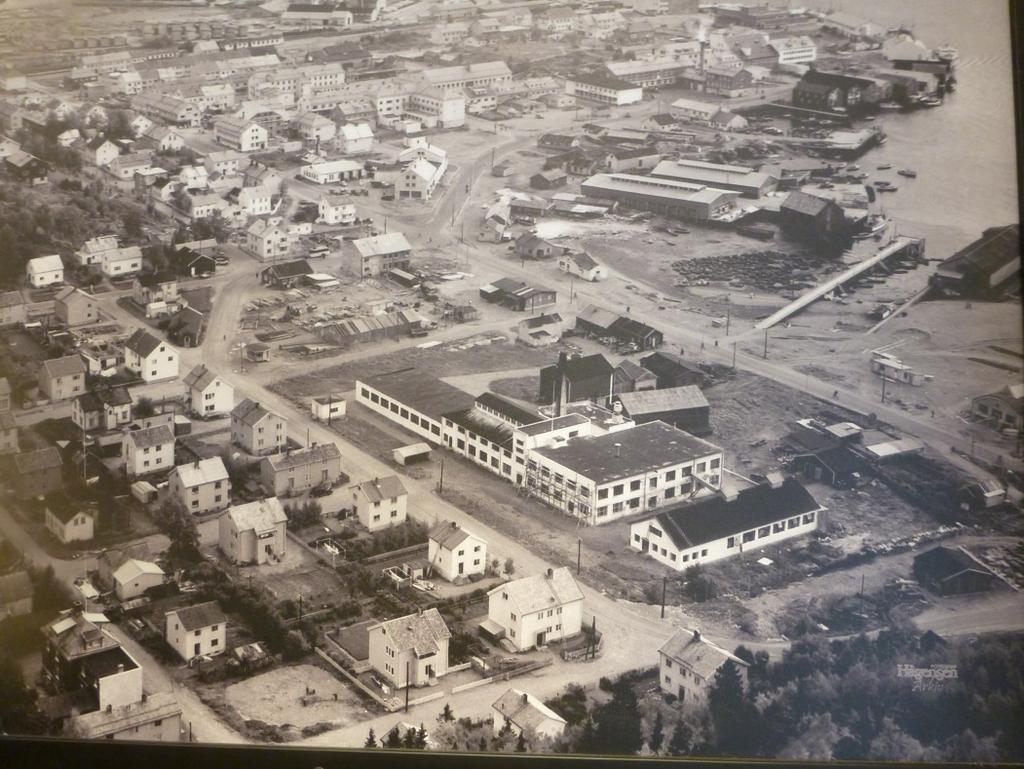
column 332, row 171
column 355, row 138
column 239, row 134
column 202, row 486
column 45, row 271
column 724, row 526
column 335, row 211
column 524, row 712
column 266, row 239
column 604, row 89
column 148, row 450
column 150, row 357
column 795, row 50
column 380, row 503
column 208, row 393
column 133, row 578
column 411, row 650
column 254, row 532
column 70, row 524
column 534, row 610
column 583, row 266
column 196, row 631
column 454, row 552
column 687, row 666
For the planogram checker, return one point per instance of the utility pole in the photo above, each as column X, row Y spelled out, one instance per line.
column 883, row 386
column 407, row 686
column 241, row 358
column 664, row 592
column 766, row 344
column 733, row 356
column 728, row 317
column 579, row 554
column 300, row 607
column 440, row 482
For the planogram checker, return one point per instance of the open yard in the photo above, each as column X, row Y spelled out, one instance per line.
column 300, row 695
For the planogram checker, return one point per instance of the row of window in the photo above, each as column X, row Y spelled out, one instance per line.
column 401, row 411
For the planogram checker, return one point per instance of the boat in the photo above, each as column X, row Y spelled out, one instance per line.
column 884, row 186
column 907, row 172
column 884, row 166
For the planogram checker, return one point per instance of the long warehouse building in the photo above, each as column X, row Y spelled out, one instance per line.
column 693, row 202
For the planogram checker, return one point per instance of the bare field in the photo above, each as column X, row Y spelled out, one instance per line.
column 276, row 697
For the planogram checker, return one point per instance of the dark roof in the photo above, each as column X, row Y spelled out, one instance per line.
column 804, row 203
column 201, row 615
column 150, row 279
column 944, row 562
column 628, row 452
column 483, row 424
column 820, row 88
column 625, row 153
column 834, row 79
column 996, row 246
column 142, row 342
column 839, row 460
column 603, row 81
column 556, row 140
column 302, row 457
column 63, row 508
column 584, row 367
column 250, row 412
column 290, row 269
column 420, row 391
column 634, row 328
column 666, row 363
column 711, row 519
column 107, row 663
column 448, row 534
column 112, row 396
column 509, row 408
column 41, row 459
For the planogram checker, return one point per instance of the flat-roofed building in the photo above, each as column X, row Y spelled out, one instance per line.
column 683, row 407
column 413, row 399
column 600, row 479
column 604, row 89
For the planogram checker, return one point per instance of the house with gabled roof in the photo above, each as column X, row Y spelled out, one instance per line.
column 524, row 712
column 411, row 650
column 13, row 309
column 683, row 407
column 254, row 532
column 208, row 393
column 38, row 472
column 812, row 216
column 531, row 611
column 454, row 552
column 150, row 357
column 380, row 502
column 99, row 151
column 70, row 639
column 583, row 266
column 952, row 571
column 74, row 307
column 196, row 631
column 257, row 429
column 70, row 522
column 96, row 250
column 103, row 409
column 148, row 450
column 45, row 271
column 201, row 486
column 133, row 578
column 377, row 255
column 688, row 663
column 574, row 379
column 1002, row 409
column 300, row 470
column 62, row 378
column 156, row 293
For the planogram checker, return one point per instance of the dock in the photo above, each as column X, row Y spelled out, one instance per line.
column 900, row 245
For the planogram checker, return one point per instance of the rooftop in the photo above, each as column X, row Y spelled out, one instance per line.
column 119, row 720
column 418, row 632
column 200, row 377
column 40, row 459
column 148, row 437
column 449, row 535
column 249, row 412
column 108, row 662
column 514, row 411
column 712, row 518
column 142, row 343
column 378, row 245
column 422, row 392
column 557, row 587
column 288, row 460
column 629, row 452
column 69, row 365
column 524, row 710
column 666, row 399
column 698, row 654
column 261, row 515
column 200, row 616
column 379, row 489
column 201, row 471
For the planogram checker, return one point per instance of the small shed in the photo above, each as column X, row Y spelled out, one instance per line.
column 327, row 407
column 952, row 571
column 416, row 452
column 549, row 180
column 258, row 352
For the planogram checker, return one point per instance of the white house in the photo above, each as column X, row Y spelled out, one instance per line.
column 583, row 266
column 453, row 552
column 723, row 526
column 133, row 578
column 380, row 503
column 533, row 610
column 240, row 134
column 688, row 663
column 122, row 262
column 522, row 712
column 256, row 201
column 412, row 650
column 208, row 393
column 151, row 358
column 355, row 138
column 148, row 450
column 328, row 407
column 70, row 523
column 335, row 211
column 266, row 239
column 799, row 49
column 195, row 631
column 45, row 271
column 201, row 486
column 253, row 532
column 604, row 89
column 258, row 430
column 332, row 171
column 315, row 128
column 693, row 111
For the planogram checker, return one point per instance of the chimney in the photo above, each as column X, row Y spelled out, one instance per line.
column 526, row 698
column 618, row 450
column 455, row 525
column 551, row 573
column 563, row 358
column 144, row 696
column 696, row 636
column 120, row 667
column 197, row 464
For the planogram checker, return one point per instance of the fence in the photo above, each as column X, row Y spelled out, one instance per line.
column 389, row 705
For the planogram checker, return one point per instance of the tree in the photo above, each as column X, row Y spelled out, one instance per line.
column 736, row 720
column 394, row 739
column 588, row 737
column 180, row 528
column 510, row 567
column 682, row 740
column 421, row 737
column 409, row 741
column 521, row 743
column 48, row 592
column 18, row 711
column 619, row 724
column 132, row 221
column 446, row 715
column 144, row 407
column 657, row 733
column 371, row 740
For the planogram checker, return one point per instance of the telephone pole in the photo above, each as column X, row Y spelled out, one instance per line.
column 440, row 482
column 579, row 554
column 883, row 387
column 664, row 592
column 766, row 344
column 733, row 356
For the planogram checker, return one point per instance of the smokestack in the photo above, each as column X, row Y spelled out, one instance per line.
column 120, row 667
column 455, row 525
